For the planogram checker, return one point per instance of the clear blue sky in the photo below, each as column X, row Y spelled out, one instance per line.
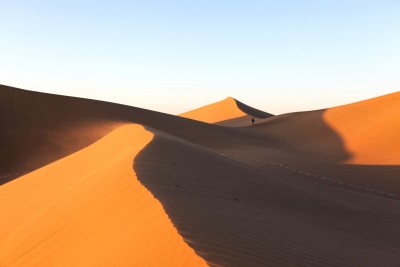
column 171, row 56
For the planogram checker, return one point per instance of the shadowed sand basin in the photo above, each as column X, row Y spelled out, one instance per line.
column 91, row 183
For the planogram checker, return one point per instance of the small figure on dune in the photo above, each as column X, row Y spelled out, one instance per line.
column 253, row 121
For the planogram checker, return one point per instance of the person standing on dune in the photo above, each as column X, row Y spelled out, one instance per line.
column 252, row 121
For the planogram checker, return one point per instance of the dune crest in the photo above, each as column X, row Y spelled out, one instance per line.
column 89, row 209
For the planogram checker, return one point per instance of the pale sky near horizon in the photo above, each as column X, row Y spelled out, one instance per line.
column 173, row 56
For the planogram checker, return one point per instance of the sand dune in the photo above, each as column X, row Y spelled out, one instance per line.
column 228, row 112
column 236, row 215
column 40, row 128
column 89, row 209
column 358, row 133
column 324, row 142
column 112, row 185
column 369, row 129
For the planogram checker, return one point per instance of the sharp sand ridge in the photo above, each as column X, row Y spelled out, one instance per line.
column 89, row 209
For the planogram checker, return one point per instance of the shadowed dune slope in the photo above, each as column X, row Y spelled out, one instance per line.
column 89, row 209
column 306, row 132
column 366, row 132
column 86, row 205
column 38, row 128
column 236, row 215
column 228, row 112
column 323, row 143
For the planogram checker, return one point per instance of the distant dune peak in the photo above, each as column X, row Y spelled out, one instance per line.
column 228, row 112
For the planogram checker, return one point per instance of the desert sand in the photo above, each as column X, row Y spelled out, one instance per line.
column 369, row 129
column 228, row 112
column 91, row 183
column 89, row 209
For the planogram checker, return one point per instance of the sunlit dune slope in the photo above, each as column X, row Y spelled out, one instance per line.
column 217, row 192
column 365, row 132
column 370, row 130
column 228, row 112
column 89, row 209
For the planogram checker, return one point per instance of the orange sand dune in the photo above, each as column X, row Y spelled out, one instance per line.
column 369, row 129
column 361, row 133
column 89, row 209
column 236, row 196
column 237, row 215
column 40, row 128
column 228, row 112
column 355, row 144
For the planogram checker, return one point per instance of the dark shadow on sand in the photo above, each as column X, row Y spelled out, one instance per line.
column 232, row 214
column 38, row 129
